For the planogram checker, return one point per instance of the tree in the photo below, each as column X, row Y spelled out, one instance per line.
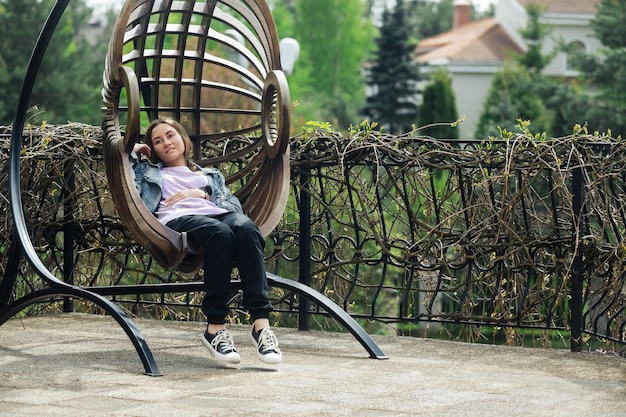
column 534, row 35
column 565, row 104
column 511, row 97
column 430, row 18
column 70, row 77
column 334, row 40
column 522, row 91
column 284, row 14
column 560, row 99
column 439, row 108
column 393, row 74
column 565, row 101
column 605, row 75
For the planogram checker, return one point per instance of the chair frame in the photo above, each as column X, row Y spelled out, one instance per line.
column 274, row 145
column 135, row 66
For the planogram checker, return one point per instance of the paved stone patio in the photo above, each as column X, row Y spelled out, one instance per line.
column 84, row 365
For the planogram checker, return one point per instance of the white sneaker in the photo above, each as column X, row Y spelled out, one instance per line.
column 266, row 345
column 221, row 346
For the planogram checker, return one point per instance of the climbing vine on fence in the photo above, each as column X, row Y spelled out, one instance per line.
column 406, row 232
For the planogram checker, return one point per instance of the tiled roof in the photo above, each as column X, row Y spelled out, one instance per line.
column 566, row 6
column 483, row 40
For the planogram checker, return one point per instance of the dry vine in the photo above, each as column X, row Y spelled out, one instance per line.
column 405, row 229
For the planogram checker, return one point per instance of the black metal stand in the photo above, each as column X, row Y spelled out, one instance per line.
column 149, row 364
column 333, row 309
column 58, row 288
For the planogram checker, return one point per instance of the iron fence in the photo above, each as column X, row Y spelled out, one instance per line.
column 470, row 239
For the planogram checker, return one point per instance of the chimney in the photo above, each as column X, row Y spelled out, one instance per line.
column 461, row 13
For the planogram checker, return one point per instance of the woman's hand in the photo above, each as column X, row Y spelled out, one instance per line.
column 182, row 195
column 142, row 148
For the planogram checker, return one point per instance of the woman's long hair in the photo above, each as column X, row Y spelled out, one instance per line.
column 181, row 131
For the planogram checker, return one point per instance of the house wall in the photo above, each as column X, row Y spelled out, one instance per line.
column 568, row 28
column 470, row 83
column 471, row 80
column 512, row 17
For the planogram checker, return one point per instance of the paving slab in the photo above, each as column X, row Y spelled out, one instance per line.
column 84, row 365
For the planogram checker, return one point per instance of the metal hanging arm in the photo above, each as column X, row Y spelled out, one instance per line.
column 58, row 286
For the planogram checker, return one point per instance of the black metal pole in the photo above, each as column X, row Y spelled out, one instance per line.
column 11, row 271
column 304, row 319
column 18, row 126
column 576, row 304
column 27, row 249
column 68, row 230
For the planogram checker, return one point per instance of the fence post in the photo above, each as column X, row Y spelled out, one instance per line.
column 304, row 241
column 68, row 230
column 576, row 288
column 11, row 271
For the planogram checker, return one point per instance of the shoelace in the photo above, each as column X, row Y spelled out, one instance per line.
column 224, row 339
column 267, row 341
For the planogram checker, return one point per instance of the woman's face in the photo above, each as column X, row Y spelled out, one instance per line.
column 168, row 145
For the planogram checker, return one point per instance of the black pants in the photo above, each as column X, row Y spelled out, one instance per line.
column 229, row 239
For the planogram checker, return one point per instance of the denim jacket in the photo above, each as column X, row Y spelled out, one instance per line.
column 149, row 183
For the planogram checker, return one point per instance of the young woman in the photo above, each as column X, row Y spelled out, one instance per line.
column 195, row 200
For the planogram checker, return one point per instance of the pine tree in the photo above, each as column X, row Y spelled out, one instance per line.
column 393, row 75
column 334, row 39
column 69, row 80
column 439, row 108
column 606, row 74
column 430, row 18
column 520, row 91
column 511, row 97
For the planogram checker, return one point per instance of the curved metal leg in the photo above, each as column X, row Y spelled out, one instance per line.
column 58, row 288
column 129, row 327
column 334, row 310
column 275, row 281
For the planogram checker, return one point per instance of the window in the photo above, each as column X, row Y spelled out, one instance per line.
column 573, row 49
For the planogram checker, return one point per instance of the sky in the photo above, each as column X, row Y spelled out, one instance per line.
column 483, row 4
column 103, row 5
column 480, row 4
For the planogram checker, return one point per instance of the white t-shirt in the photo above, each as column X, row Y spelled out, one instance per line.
column 180, row 178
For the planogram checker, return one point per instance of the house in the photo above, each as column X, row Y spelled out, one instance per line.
column 473, row 51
